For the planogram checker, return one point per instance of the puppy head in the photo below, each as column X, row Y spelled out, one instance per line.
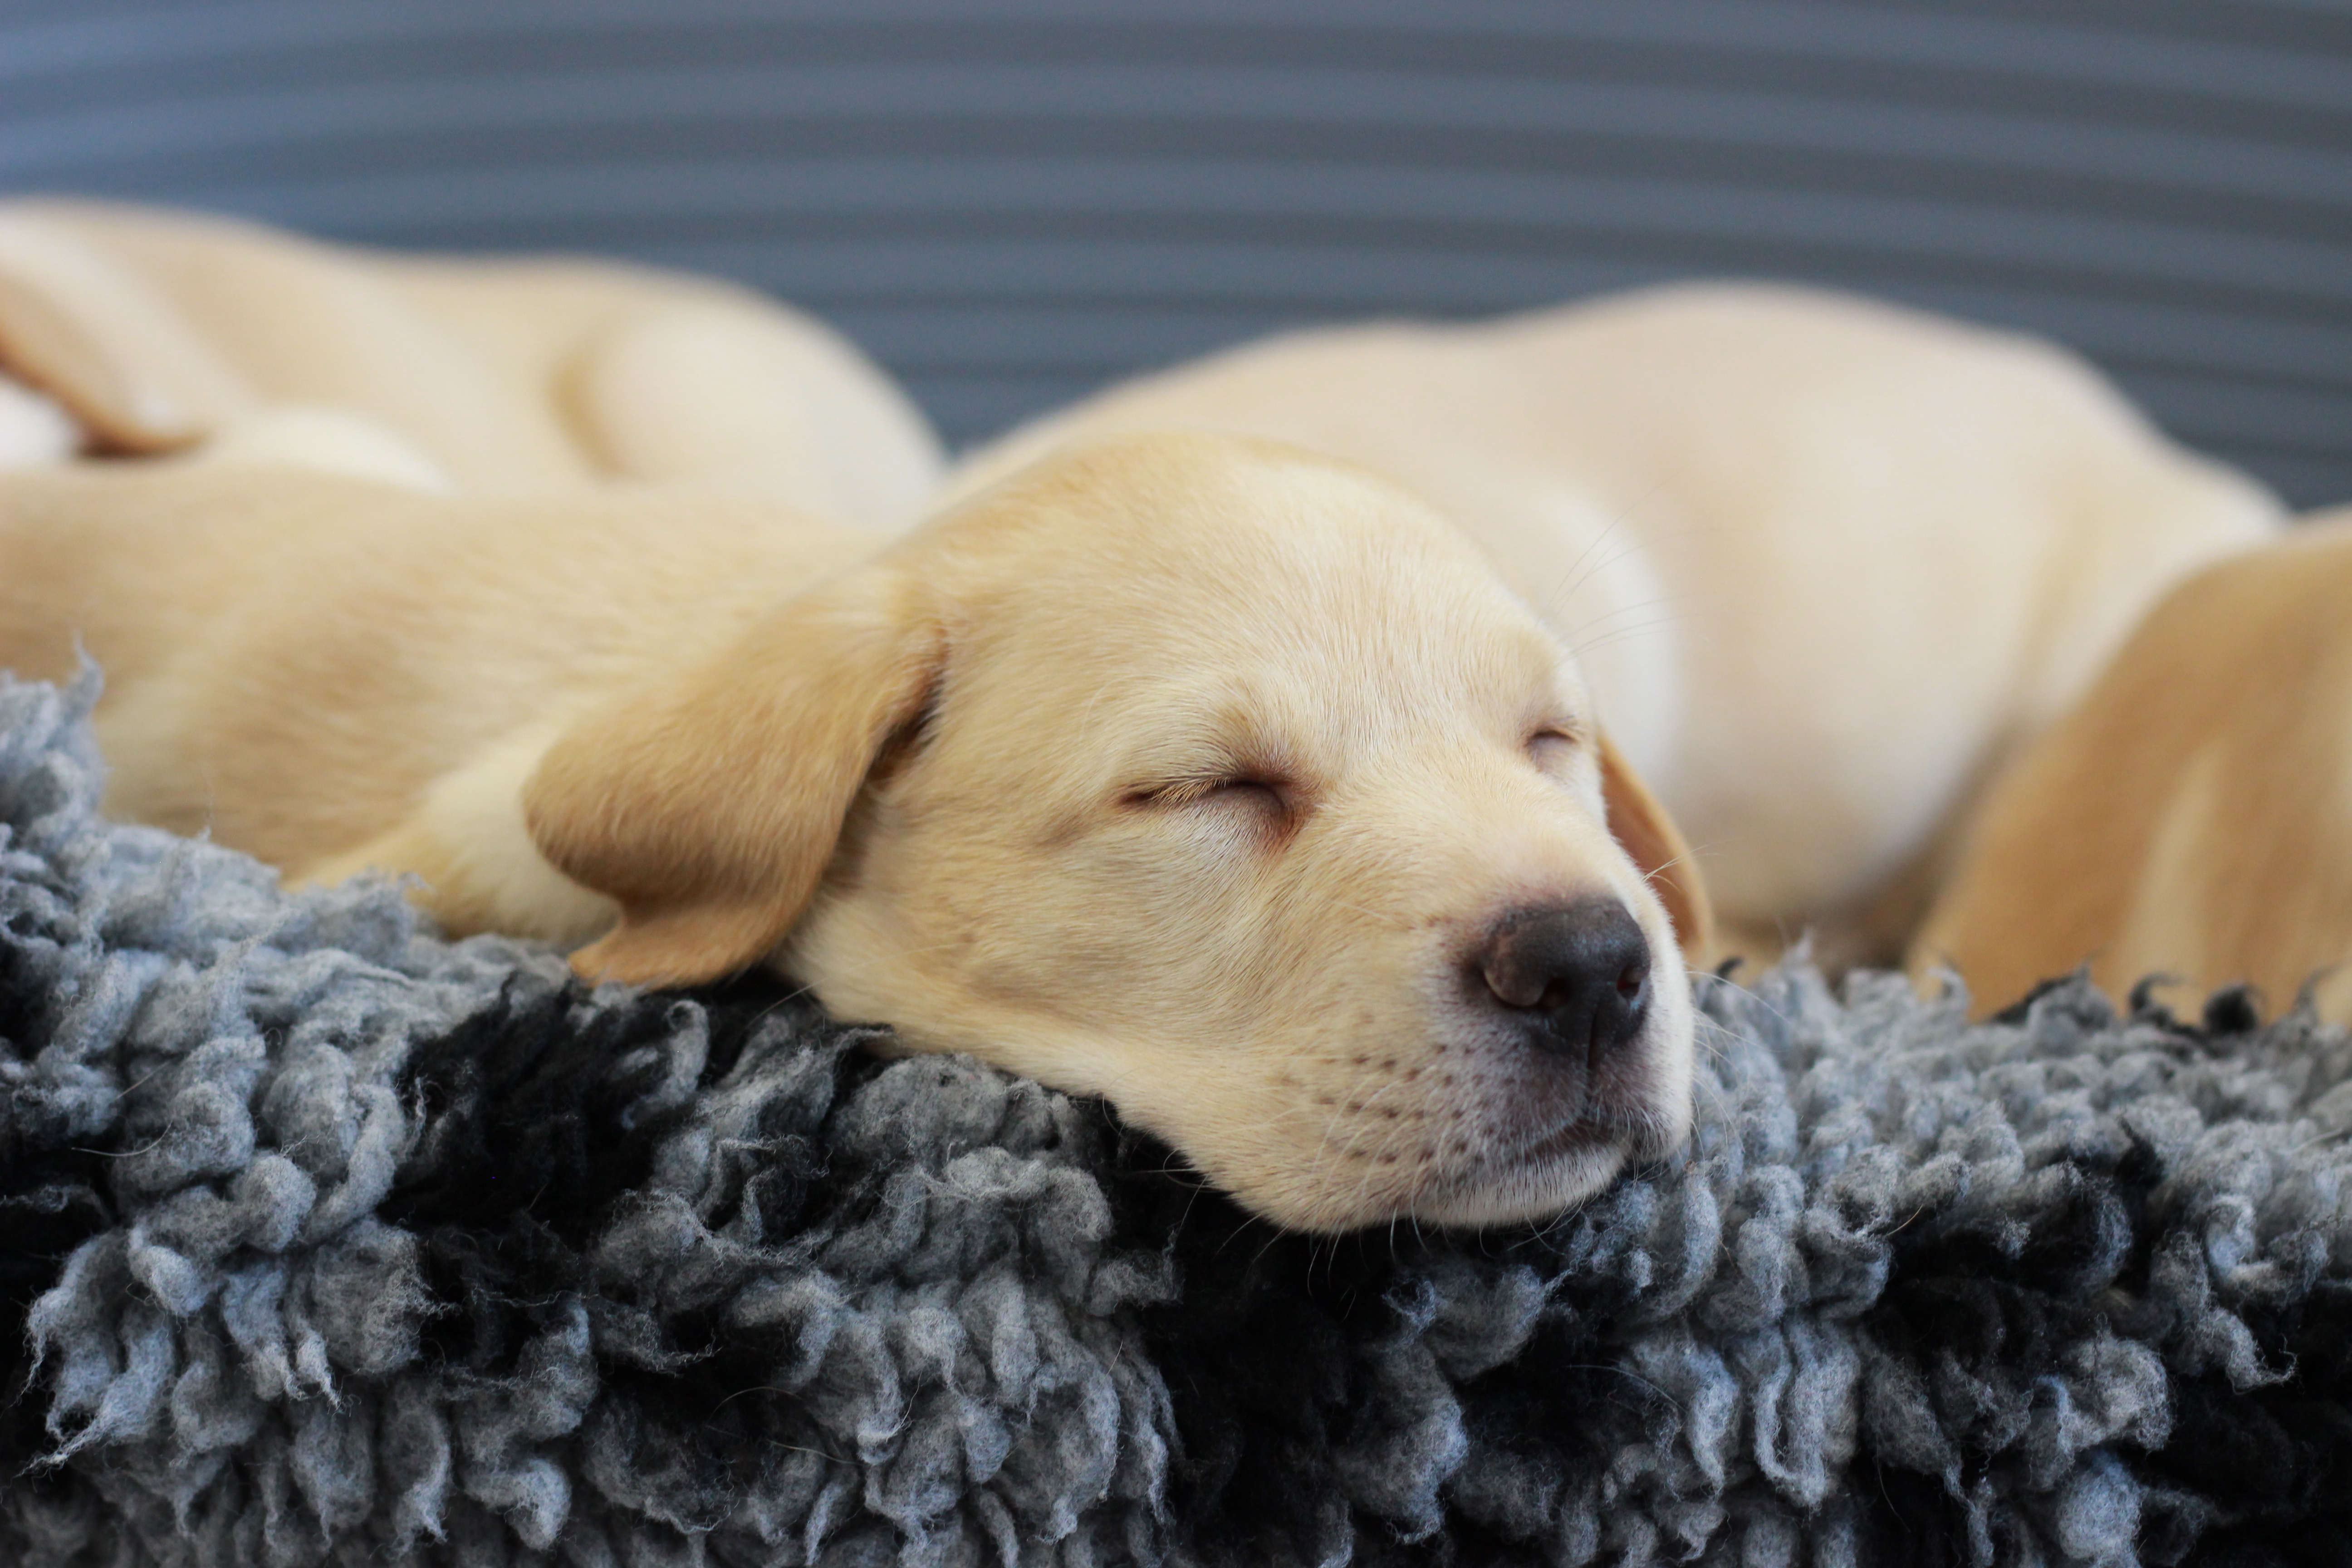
column 1206, row 775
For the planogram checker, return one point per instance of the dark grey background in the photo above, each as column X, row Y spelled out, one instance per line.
column 1012, row 201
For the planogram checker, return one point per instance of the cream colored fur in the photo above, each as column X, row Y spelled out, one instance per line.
column 1189, row 770
column 34, row 430
column 2192, row 816
column 1825, row 562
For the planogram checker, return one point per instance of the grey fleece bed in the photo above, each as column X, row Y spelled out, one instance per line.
column 326, row 1241
column 323, row 1241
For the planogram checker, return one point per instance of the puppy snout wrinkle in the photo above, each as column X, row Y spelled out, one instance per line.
column 1577, row 977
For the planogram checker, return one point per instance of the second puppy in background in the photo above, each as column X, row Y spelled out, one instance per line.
column 1824, row 561
column 146, row 331
column 2192, row 818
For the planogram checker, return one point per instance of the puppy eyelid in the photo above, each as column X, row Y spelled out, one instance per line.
column 1193, row 791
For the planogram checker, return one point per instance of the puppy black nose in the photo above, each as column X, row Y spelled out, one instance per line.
column 1577, row 978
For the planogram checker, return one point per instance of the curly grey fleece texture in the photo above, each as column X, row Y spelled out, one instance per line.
column 357, row 1246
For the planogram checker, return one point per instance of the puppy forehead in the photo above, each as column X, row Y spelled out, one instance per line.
column 1271, row 522
column 1174, row 546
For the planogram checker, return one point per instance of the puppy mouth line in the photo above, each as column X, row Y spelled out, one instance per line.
column 1581, row 1134
column 1584, row 1134
column 1488, row 1170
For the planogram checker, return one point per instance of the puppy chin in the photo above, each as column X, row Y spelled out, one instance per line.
column 1557, row 1176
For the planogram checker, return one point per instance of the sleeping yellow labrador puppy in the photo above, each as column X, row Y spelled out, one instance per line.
column 1208, row 775
column 2192, row 817
column 1219, row 780
column 1826, row 562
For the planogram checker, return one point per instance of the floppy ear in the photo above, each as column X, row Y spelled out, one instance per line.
column 709, row 805
column 1644, row 831
column 80, row 325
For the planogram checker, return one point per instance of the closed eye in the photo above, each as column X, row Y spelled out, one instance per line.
column 1553, row 748
column 1235, row 789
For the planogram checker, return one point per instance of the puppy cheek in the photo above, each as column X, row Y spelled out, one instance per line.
column 1676, row 1070
column 1670, row 1044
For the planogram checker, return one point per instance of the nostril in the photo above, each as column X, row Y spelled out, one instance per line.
column 1576, row 977
column 1515, row 983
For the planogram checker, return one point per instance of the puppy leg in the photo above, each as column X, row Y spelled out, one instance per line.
column 471, row 850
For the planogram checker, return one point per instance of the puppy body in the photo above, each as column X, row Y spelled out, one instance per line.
column 1206, row 775
column 1824, row 561
column 296, row 659
column 2192, row 816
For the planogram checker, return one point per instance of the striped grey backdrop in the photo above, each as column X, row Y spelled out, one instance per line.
column 1012, row 201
